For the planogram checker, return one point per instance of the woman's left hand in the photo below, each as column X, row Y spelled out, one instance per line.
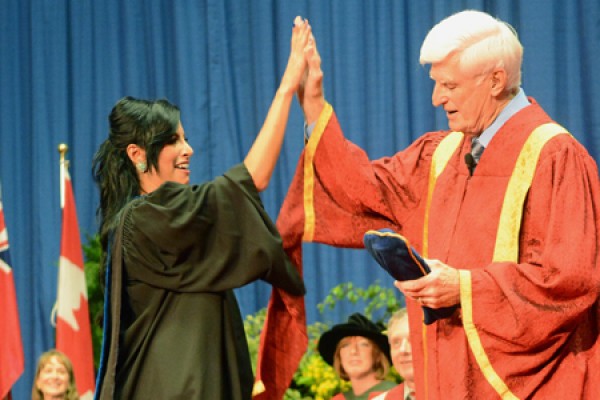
column 296, row 68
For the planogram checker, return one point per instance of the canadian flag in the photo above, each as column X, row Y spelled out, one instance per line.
column 73, row 332
column 11, row 347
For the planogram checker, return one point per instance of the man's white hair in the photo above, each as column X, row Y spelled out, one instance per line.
column 481, row 43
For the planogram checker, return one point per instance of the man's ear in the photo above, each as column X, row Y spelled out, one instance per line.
column 136, row 154
column 498, row 81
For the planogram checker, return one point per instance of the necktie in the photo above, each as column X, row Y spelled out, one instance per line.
column 476, row 150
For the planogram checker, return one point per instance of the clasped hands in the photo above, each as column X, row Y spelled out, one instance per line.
column 440, row 288
column 310, row 90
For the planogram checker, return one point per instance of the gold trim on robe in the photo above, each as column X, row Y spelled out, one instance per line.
column 507, row 238
column 507, row 243
column 439, row 160
column 309, row 172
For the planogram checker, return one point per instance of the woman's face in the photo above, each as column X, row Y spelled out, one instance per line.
column 173, row 164
column 174, row 159
column 356, row 356
column 53, row 379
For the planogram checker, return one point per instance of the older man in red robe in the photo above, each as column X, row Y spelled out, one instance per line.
column 505, row 206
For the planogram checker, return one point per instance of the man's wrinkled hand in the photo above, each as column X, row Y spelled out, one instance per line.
column 440, row 288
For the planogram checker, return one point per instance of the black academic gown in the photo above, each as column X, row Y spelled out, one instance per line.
column 178, row 332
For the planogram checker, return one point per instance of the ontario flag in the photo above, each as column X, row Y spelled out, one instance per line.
column 11, row 347
column 73, row 332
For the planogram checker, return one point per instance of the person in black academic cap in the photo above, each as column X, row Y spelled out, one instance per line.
column 360, row 353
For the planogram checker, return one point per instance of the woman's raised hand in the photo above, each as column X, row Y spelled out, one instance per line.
column 295, row 71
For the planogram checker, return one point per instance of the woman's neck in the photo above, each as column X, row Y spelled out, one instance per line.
column 54, row 397
column 362, row 384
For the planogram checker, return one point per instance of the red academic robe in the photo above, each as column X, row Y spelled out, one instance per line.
column 397, row 393
column 536, row 319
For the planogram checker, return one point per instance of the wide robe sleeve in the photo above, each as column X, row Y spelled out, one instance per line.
column 543, row 306
column 209, row 237
column 177, row 253
column 338, row 193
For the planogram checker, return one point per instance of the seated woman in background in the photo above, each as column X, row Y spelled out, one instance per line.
column 54, row 378
column 360, row 353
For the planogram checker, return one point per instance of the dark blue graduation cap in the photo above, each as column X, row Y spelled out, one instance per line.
column 395, row 254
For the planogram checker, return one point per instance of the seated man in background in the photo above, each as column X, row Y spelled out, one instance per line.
column 401, row 352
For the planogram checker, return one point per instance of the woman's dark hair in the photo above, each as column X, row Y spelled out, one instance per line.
column 148, row 124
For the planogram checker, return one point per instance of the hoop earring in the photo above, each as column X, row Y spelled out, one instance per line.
column 141, row 166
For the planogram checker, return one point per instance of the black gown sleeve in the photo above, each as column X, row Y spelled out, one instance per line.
column 206, row 238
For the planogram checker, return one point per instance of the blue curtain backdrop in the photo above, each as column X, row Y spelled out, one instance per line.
column 63, row 64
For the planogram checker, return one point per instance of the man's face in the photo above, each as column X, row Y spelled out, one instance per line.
column 466, row 96
column 401, row 351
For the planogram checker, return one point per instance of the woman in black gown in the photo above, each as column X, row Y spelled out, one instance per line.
column 176, row 251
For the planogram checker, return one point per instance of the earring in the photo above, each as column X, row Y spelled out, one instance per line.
column 141, row 166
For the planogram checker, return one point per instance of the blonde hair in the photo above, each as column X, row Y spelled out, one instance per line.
column 71, row 393
column 381, row 364
column 397, row 316
column 480, row 42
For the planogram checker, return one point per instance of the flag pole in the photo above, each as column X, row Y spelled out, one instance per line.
column 73, row 330
column 62, row 149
